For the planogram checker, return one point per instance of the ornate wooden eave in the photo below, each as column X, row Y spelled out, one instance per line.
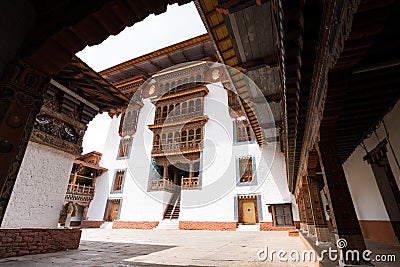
column 347, row 38
column 198, row 91
column 90, row 165
column 85, row 82
column 161, row 52
column 213, row 15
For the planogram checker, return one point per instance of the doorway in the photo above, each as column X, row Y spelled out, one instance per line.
column 248, row 210
column 112, row 213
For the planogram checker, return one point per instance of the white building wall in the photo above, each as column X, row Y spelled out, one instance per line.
column 40, row 188
column 104, row 182
column 137, row 204
column 360, row 178
column 216, row 199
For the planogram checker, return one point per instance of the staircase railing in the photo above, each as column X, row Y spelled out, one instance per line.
column 176, row 203
column 173, row 202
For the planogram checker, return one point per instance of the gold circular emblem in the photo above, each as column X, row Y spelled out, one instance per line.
column 215, row 74
column 152, row 89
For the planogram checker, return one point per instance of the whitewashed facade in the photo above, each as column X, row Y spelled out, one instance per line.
column 215, row 204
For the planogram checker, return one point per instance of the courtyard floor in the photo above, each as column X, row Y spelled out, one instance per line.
column 125, row 247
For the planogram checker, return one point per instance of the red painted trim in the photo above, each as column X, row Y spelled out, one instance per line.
column 213, row 226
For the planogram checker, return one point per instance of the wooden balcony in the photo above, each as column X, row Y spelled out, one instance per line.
column 80, row 189
column 190, row 183
column 77, row 192
column 162, row 185
column 181, row 117
column 179, row 147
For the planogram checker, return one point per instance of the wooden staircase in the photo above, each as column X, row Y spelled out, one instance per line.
column 173, row 208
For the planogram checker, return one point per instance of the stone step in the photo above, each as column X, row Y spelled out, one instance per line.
column 168, row 225
column 248, row 227
column 106, row 225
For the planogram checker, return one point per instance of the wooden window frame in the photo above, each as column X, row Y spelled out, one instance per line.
column 124, row 149
column 274, row 215
column 246, row 172
column 118, row 182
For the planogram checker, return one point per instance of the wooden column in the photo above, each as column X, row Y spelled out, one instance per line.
column 175, row 176
column 343, row 214
column 191, row 169
column 85, row 211
column 308, row 210
column 165, row 172
column 321, row 228
column 302, row 212
column 21, row 97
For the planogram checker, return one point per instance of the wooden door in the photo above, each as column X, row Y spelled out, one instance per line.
column 114, row 211
column 248, row 212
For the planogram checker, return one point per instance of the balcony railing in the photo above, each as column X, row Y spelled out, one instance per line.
column 162, row 185
column 190, row 183
column 181, row 117
column 176, row 147
column 80, row 189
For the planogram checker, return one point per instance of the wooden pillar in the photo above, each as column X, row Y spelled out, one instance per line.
column 191, row 169
column 343, row 215
column 302, row 212
column 320, row 225
column 308, row 210
column 175, row 176
column 85, row 211
column 165, row 172
column 21, row 97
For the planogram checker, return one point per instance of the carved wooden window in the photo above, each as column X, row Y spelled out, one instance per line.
column 177, row 109
column 184, row 108
column 163, row 138
column 171, row 110
column 198, row 135
column 157, row 140
column 246, row 169
column 124, row 147
column 158, row 114
column 191, row 106
column 170, row 136
column 177, row 137
column 118, row 180
column 198, row 104
column 243, row 131
column 191, row 135
column 184, row 136
column 165, row 112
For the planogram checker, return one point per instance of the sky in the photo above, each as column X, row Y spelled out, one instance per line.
column 179, row 23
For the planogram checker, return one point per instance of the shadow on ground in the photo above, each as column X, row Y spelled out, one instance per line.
column 90, row 253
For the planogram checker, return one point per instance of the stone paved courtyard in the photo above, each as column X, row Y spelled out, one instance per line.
column 124, row 247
